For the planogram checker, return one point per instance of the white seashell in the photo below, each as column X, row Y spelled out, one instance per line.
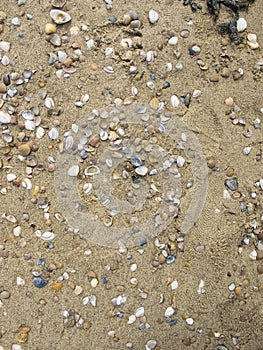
column 5, row 46
column 109, row 69
column 149, row 56
column 62, row 55
column 252, row 37
column 49, row 102
column 132, row 319
column 175, row 101
column 28, row 115
column 85, row 98
column 169, row 67
column 151, row 344
column 27, row 184
column 150, row 85
column 189, row 321
column 75, row 128
column 5, row 118
column 69, row 141
column 30, row 125
column 103, row 135
column 180, row 161
column 59, row 16
column 59, row 73
column 174, row 285
column 55, row 40
column 141, row 170
column 10, row 177
column 169, row 312
column 73, row 171
column 5, row 60
column 40, row 132
column 133, row 267
column 15, row 21
column 126, row 43
column 173, row 40
column 17, row 231
column 109, row 163
column 139, row 312
column 53, row 134
column 196, row 93
column 134, row 91
column 109, row 51
column 48, row 236
column 91, row 170
column 90, row 43
column 153, row 16
column 241, row 24
column 87, row 188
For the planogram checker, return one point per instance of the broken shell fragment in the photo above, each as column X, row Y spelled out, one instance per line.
column 59, row 16
column 58, row 3
column 107, row 221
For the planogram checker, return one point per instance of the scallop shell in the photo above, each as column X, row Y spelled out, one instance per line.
column 59, row 16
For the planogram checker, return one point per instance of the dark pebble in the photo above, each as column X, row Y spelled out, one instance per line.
column 112, row 19
column 104, row 279
column 39, row 282
column 152, row 76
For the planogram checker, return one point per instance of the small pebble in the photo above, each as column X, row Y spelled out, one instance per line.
column 40, row 282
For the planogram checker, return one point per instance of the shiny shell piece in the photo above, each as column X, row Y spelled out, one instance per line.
column 175, row 101
column 241, row 24
column 73, row 171
column 59, row 16
column 58, row 3
column 87, row 188
column 5, row 118
column 28, row 115
column 153, row 16
column 141, row 170
column 91, row 170
column 107, row 221
column 47, row 236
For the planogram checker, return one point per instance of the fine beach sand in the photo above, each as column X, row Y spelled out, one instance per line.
column 225, row 247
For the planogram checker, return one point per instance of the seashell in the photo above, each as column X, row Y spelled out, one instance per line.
column 27, row 184
column 87, row 188
column 5, row 60
column 173, row 40
column 196, row 93
column 175, row 101
column 134, row 91
column 169, row 67
column 150, row 56
column 73, row 171
column 53, row 134
column 135, row 160
column 58, row 3
column 103, row 135
column 55, row 39
column 69, row 141
column 62, row 55
column 107, row 221
column 252, row 37
column 139, row 312
column 40, row 132
column 141, row 170
column 169, row 312
column 153, row 16
column 91, row 170
column 49, row 102
column 28, row 115
column 5, row 118
column 5, row 46
column 109, row 69
column 126, row 43
column 109, row 51
column 30, row 125
column 59, row 16
column 48, row 236
column 90, row 43
column 241, row 24
column 180, row 161
column 109, row 163
column 10, row 177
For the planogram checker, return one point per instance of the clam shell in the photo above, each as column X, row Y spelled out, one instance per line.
column 107, row 221
column 153, row 16
column 58, row 3
column 59, row 16
column 91, row 170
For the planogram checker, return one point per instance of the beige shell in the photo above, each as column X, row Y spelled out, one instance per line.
column 59, row 16
column 107, row 221
column 58, row 3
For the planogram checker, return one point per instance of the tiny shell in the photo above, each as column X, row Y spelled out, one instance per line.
column 27, row 184
column 5, row 118
column 175, row 101
column 59, row 16
column 241, row 24
column 55, row 40
column 53, row 134
column 91, row 170
column 49, row 102
column 73, row 171
column 109, row 69
column 173, row 40
column 48, row 236
column 169, row 311
column 30, row 125
column 141, row 170
column 107, row 221
column 5, row 46
column 40, row 132
column 139, row 312
column 10, row 177
column 153, row 16
column 28, row 115
column 58, row 3
column 87, row 188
